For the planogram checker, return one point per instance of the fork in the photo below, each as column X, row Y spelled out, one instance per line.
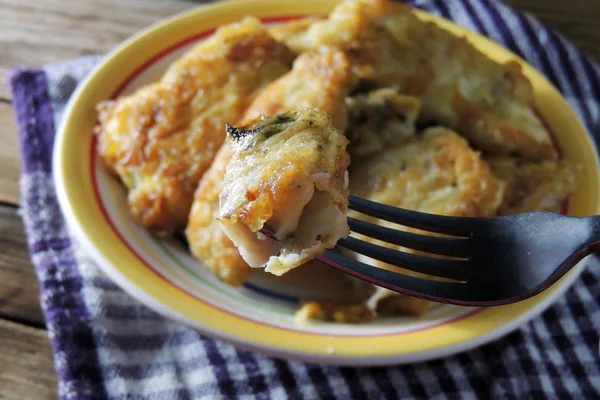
column 496, row 261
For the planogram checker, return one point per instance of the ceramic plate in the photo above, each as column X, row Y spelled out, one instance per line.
column 259, row 315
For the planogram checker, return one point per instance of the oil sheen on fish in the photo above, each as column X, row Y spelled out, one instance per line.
column 287, row 173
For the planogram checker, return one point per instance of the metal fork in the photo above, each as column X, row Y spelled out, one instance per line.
column 502, row 259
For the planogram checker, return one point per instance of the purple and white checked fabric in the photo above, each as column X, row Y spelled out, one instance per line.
column 106, row 345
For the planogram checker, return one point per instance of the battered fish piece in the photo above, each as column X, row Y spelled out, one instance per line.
column 161, row 139
column 386, row 302
column 320, row 79
column 437, row 173
column 380, row 119
column 344, row 28
column 287, row 173
column 534, row 186
column 491, row 104
column 334, row 312
column 290, row 32
column 208, row 243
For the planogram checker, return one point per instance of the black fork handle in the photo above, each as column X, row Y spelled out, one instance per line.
column 590, row 246
column 593, row 244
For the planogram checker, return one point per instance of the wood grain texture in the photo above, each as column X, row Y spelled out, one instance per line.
column 26, row 370
column 35, row 32
column 9, row 156
column 4, row 90
column 19, row 290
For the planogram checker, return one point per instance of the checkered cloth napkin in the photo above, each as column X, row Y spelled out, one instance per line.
column 107, row 345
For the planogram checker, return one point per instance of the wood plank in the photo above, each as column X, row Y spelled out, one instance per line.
column 4, row 90
column 9, row 156
column 35, row 32
column 26, row 370
column 19, row 291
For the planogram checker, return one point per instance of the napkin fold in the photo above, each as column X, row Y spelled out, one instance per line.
column 107, row 345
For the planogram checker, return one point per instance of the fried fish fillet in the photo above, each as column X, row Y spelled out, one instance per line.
column 287, row 173
column 319, row 79
column 437, row 173
column 491, row 104
column 334, row 312
column 380, row 119
column 208, row 243
column 162, row 138
column 344, row 28
column 291, row 31
column 534, row 186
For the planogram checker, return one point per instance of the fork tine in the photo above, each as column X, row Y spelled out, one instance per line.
column 442, row 292
column 452, row 269
column 454, row 247
column 435, row 223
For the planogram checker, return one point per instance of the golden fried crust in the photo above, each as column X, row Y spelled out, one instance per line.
column 334, row 312
column 298, row 89
column 534, row 186
column 319, row 79
column 399, row 304
column 282, row 153
column 436, row 173
column 161, row 139
column 292, row 31
column 288, row 173
column 343, row 28
column 489, row 103
column 207, row 240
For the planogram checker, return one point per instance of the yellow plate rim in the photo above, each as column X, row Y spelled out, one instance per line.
column 83, row 218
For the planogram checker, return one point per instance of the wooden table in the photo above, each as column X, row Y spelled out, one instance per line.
column 34, row 32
